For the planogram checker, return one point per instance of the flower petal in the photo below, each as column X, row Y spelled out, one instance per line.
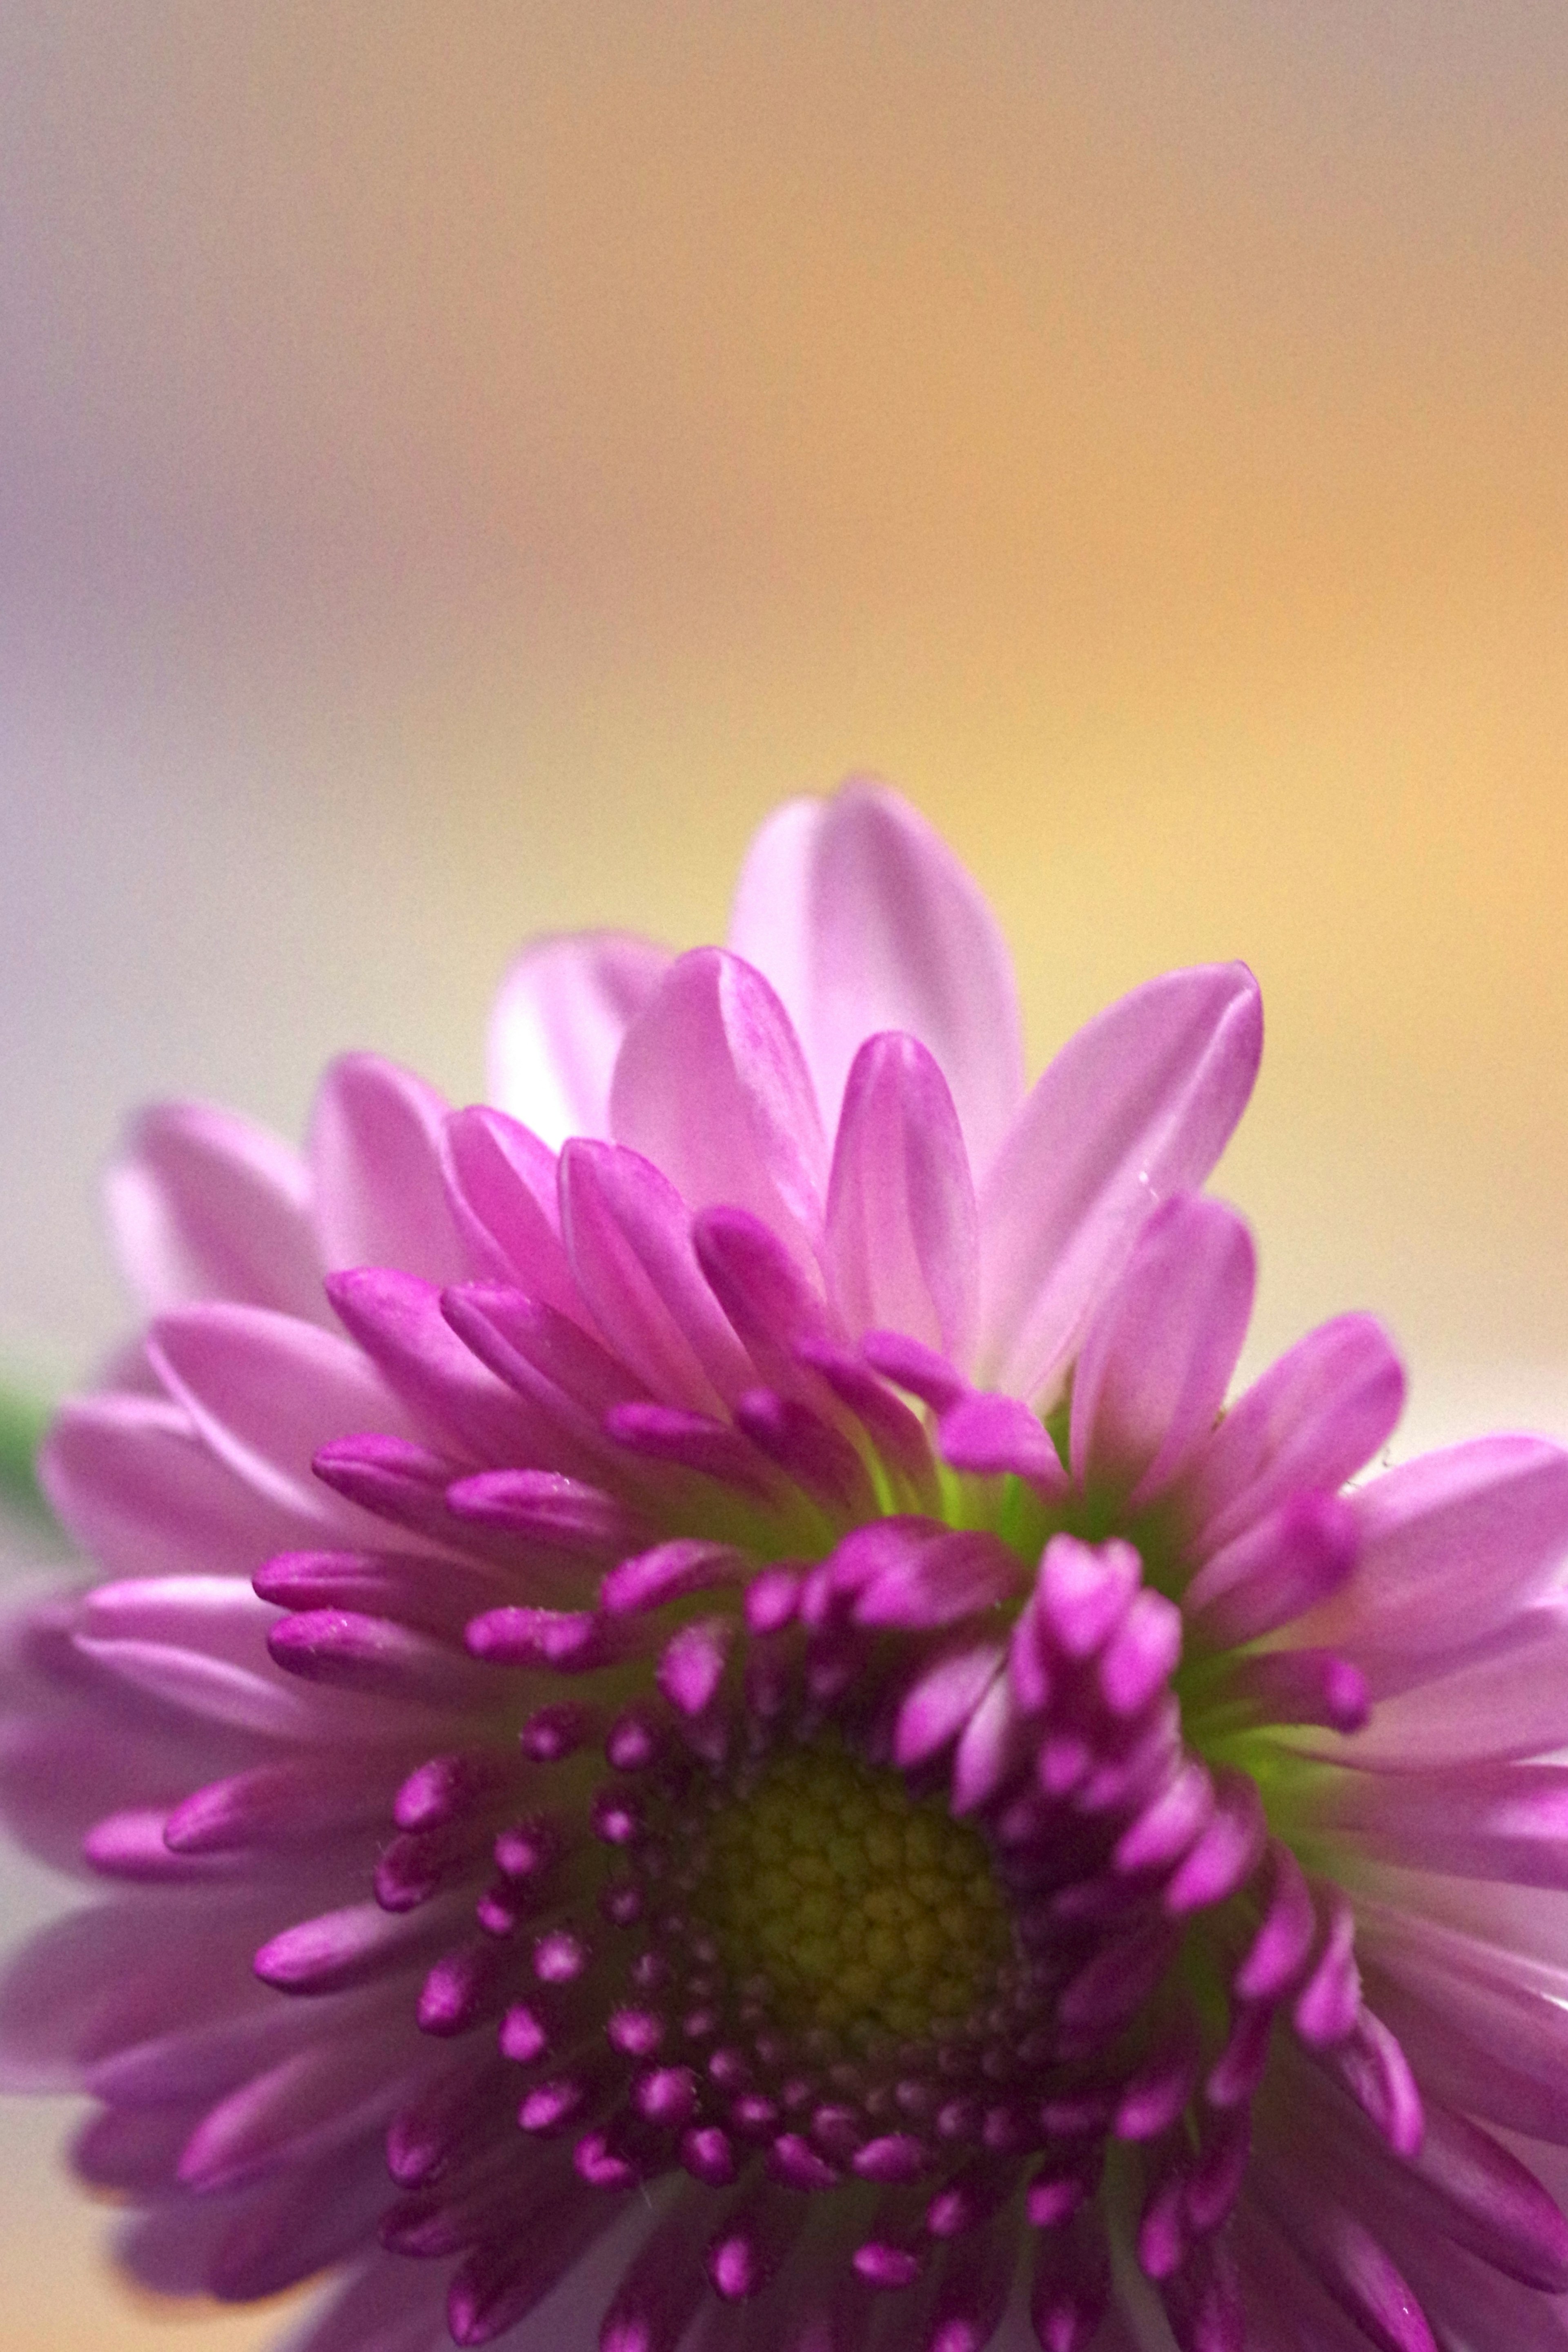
column 1159, row 1355
column 557, row 1026
column 97, row 1981
column 1505, row 1698
column 772, row 1301
column 959, row 1572
column 942, row 1698
column 203, row 1204
column 391, row 2305
column 397, row 1319
column 1486, row 2031
column 864, row 920
column 199, row 1645
column 504, row 1188
column 133, row 1483
column 1314, row 1419
column 374, row 1150
column 901, row 1246
column 710, row 1085
column 1506, row 1821
column 1139, row 1105
column 1451, row 1545
column 312, row 2215
column 266, row 1392
column 628, row 1237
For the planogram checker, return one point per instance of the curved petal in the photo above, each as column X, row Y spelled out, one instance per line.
column 271, row 2235
column 374, row 1150
column 505, row 1193
column 1504, row 1697
column 1487, row 2032
column 267, row 1393
column 863, row 920
column 773, row 1303
column 1314, row 1419
column 1139, row 1105
column 901, row 1246
column 628, row 1237
column 1159, row 1355
column 557, row 1026
column 1451, row 1545
column 1502, row 1821
column 203, row 1204
column 100, row 1980
column 73, row 1752
column 214, row 1616
column 398, row 1321
column 391, row 2305
column 131, row 1478
column 710, row 1085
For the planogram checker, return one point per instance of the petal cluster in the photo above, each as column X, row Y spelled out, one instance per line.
column 706, row 1727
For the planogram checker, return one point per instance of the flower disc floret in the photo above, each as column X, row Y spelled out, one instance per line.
column 862, row 1910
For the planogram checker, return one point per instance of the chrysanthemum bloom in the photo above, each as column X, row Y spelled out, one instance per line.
column 719, row 1740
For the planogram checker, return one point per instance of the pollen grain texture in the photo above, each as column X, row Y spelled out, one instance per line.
column 867, row 1913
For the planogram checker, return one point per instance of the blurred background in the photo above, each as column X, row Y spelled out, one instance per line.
column 461, row 463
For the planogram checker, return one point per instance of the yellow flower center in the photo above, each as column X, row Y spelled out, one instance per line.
column 865, row 1912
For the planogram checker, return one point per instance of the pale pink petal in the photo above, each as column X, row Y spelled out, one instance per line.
column 1486, row 2030
column 398, row 1321
column 901, row 1246
column 374, row 1150
column 1504, row 1695
column 60, row 1772
column 863, row 920
column 557, row 1027
column 284, row 2230
column 1451, row 1545
column 390, row 2306
column 140, row 1491
column 1314, row 1419
column 1506, row 1821
column 102, row 1979
column 266, row 1393
column 1138, row 1105
column 504, row 1189
column 199, row 1645
column 203, row 1204
column 628, row 1238
column 216, row 1615
column 1287, row 1564
column 709, row 1085
column 1158, row 1356
column 1522, row 1924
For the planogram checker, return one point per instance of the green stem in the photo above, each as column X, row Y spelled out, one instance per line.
column 24, row 1418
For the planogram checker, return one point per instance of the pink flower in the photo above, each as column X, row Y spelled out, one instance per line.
column 722, row 1738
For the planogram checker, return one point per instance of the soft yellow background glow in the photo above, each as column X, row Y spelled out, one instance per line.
column 460, row 463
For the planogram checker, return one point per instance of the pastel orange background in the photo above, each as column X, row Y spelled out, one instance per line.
column 460, row 463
